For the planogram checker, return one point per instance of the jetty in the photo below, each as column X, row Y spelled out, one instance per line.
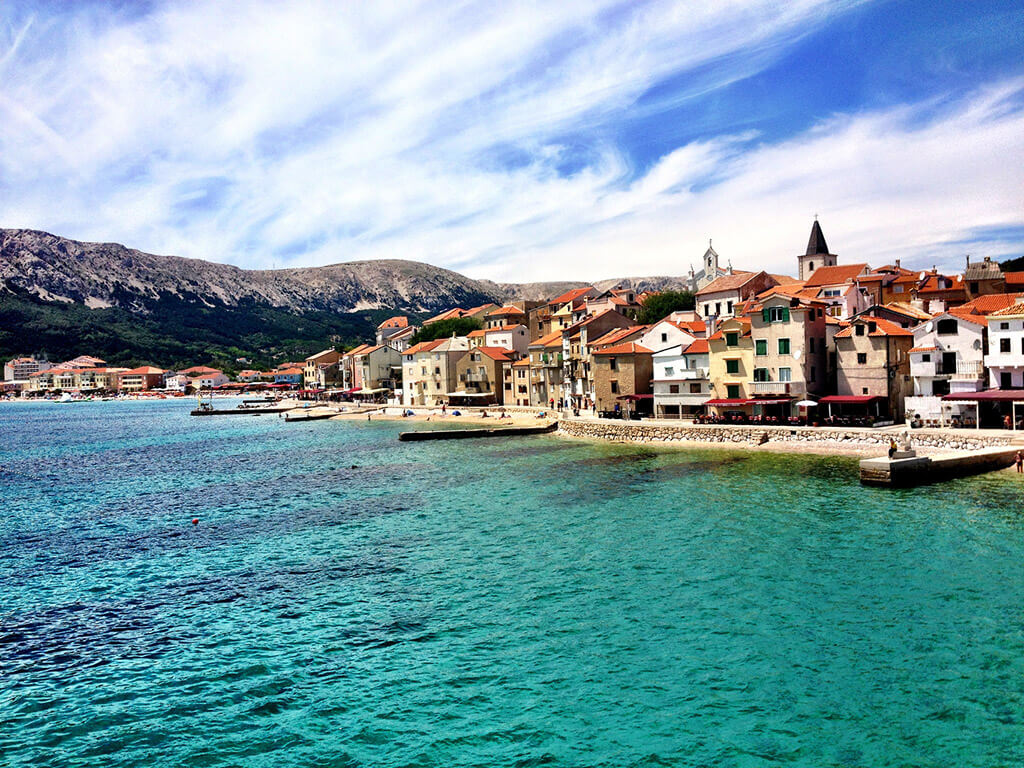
column 904, row 471
column 469, row 434
column 240, row 411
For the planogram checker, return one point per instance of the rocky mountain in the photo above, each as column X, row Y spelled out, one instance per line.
column 61, row 296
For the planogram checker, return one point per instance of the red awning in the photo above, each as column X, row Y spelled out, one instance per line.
column 633, row 398
column 770, row 400
column 850, row 399
column 352, row 391
column 728, row 401
column 989, row 395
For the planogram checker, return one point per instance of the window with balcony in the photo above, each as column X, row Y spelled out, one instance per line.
column 732, row 366
column 761, row 347
column 761, row 374
column 673, row 389
column 783, row 346
column 695, row 389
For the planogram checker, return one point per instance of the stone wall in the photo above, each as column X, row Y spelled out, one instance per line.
column 639, row 432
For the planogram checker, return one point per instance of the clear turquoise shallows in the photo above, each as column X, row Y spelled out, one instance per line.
column 349, row 600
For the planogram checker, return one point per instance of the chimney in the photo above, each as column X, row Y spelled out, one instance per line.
column 897, row 263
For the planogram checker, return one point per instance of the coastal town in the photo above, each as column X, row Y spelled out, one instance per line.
column 838, row 344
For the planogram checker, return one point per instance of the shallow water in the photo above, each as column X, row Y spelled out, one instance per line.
column 349, row 600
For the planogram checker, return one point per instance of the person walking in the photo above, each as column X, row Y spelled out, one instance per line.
column 1018, row 459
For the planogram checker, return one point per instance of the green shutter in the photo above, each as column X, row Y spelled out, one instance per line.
column 785, row 314
column 764, row 315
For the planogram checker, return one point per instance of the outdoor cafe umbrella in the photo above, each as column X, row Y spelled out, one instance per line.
column 806, row 404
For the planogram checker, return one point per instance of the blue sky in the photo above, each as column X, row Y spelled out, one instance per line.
column 519, row 141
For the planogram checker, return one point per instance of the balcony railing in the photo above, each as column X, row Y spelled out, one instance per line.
column 479, row 378
column 969, row 369
column 778, row 387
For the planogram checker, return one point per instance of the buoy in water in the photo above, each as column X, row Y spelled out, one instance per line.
column 195, row 521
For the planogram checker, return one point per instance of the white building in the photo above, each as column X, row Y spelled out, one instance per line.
column 666, row 334
column 947, row 356
column 1005, row 358
column 515, row 338
column 20, row 368
column 681, row 384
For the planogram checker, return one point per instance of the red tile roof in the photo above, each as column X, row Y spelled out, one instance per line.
column 146, row 369
column 835, row 275
column 1015, row 309
column 629, row 348
column 424, row 346
column 553, row 339
column 495, row 353
column 986, row 305
column 507, row 310
column 399, row 321
column 882, row 328
column 731, row 282
column 699, row 347
column 571, row 295
column 446, row 315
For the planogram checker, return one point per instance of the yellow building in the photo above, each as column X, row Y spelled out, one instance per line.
column 731, row 366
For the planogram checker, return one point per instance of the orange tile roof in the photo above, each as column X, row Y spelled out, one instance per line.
column 447, row 314
column 522, row 362
column 617, row 334
column 629, row 348
column 1016, row 309
column 731, row 282
column 923, row 349
column 699, row 347
column 476, row 334
column 357, row 350
column 1014, row 279
column 835, row 275
column 399, row 321
column 289, row 372
column 146, row 369
column 882, row 328
column 500, row 328
column 986, row 305
column 495, row 353
column 424, row 346
column 571, row 295
column 907, row 309
column 506, row 310
column 550, row 340
column 786, row 280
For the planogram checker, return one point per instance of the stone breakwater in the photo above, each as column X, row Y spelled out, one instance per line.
column 826, row 437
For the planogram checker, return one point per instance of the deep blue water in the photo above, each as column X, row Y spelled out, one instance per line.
column 349, row 600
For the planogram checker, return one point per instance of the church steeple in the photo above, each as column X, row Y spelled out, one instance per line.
column 816, row 244
column 817, row 254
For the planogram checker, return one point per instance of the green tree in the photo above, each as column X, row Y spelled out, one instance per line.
column 660, row 305
column 443, row 329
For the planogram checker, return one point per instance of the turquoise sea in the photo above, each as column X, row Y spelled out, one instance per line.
column 349, row 600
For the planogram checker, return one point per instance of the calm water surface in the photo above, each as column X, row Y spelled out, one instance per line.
column 349, row 600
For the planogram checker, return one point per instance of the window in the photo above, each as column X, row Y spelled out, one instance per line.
column 732, row 366
column 1004, row 326
column 760, row 374
column 1004, row 345
column 669, row 370
column 1006, row 380
column 974, row 287
column 830, row 293
column 761, row 347
column 897, row 289
column 783, row 346
column 926, row 358
column 775, row 314
column 785, row 374
column 718, row 307
column 835, row 311
column 810, row 267
column 732, row 391
column 946, row 327
column 728, row 307
column 811, row 343
column 615, row 387
column 859, row 330
column 664, row 337
column 673, row 389
column 732, row 339
column 864, row 390
column 862, row 358
column 814, row 376
column 613, row 364
column 437, row 371
column 707, row 310
column 695, row 389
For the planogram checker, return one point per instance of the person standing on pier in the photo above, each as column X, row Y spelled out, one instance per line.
column 1018, row 459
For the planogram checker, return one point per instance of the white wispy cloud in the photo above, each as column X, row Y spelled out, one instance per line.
column 293, row 134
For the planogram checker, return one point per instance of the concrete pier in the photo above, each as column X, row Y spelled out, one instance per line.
column 904, row 472
column 466, row 434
